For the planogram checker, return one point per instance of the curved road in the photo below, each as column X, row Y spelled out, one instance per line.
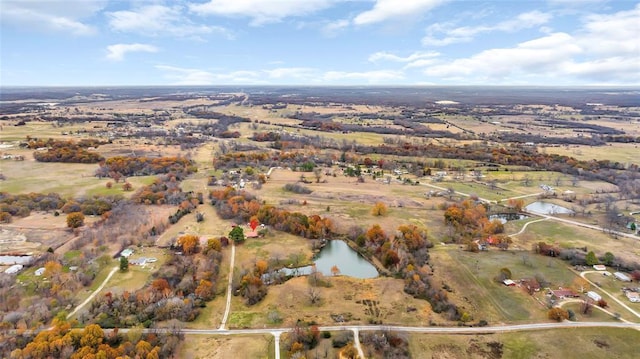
column 93, row 295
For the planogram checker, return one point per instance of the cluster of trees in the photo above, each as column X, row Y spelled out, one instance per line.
column 70, row 153
column 34, row 143
column 301, row 338
column 468, row 221
column 250, row 284
column 406, row 255
column 580, row 256
column 144, row 166
column 21, row 205
column 386, row 344
column 178, row 291
column 92, row 342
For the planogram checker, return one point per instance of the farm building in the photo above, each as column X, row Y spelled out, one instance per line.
column 509, row 283
column 126, row 253
column 622, row 277
column 564, row 293
column 14, row 269
column 594, row 296
column 599, row 267
column 634, row 297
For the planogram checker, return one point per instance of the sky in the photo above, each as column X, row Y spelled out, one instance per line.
column 319, row 42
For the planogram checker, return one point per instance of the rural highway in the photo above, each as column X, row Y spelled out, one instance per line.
column 277, row 332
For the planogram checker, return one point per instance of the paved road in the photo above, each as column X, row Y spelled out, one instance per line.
column 585, row 225
column 95, row 292
column 229, row 287
column 624, row 305
column 408, row 329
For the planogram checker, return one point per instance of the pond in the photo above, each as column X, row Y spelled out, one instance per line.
column 547, row 208
column 506, row 217
column 337, row 253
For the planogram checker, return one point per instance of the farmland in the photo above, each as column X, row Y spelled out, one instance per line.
column 388, row 179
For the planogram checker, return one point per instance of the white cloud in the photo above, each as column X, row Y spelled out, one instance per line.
column 260, row 11
column 116, row 52
column 467, row 33
column 386, row 56
column 602, row 51
column 191, row 77
column 159, row 19
column 384, row 10
column 332, row 28
column 53, row 15
column 542, row 55
column 370, row 77
column 291, row 73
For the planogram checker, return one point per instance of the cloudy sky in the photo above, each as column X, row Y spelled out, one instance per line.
column 319, row 42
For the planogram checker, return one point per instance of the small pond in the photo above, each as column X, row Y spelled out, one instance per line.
column 337, row 253
column 506, row 217
column 547, row 208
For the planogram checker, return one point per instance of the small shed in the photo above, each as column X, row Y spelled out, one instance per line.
column 594, row 296
column 509, row 283
column 126, row 253
column 14, row 269
column 622, row 277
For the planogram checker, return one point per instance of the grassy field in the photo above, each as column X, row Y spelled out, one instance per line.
column 471, row 275
column 584, row 343
column 567, row 236
column 346, row 296
column 223, row 347
column 626, row 153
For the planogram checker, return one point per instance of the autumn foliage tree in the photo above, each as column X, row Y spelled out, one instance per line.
column 189, row 243
column 75, row 219
column 557, row 314
column 379, row 209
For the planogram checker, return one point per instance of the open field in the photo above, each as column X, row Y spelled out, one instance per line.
column 593, row 343
column 469, row 273
column 361, row 300
column 467, row 278
column 223, row 347
column 626, row 153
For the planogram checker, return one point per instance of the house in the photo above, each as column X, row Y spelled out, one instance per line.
column 126, row 253
column 564, row 293
column 622, row 277
column 509, row 283
column 14, row 269
column 530, row 284
column 594, row 296
column 138, row 261
column 599, row 267
column 634, row 297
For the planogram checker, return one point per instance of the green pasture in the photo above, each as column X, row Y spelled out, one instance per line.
column 468, row 272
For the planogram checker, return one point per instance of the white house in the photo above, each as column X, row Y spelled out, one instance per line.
column 593, row 295
column 622, row 277
column 634, row 297
column 599, row 267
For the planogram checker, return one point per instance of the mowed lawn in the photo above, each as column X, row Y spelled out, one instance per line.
column 471, row 275
column 584, row 343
